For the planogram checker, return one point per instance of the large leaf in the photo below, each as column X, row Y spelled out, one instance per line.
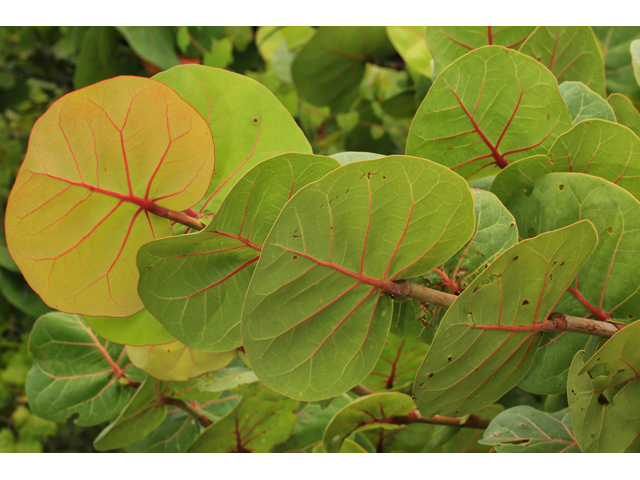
column 102, row 163
column 153, row 44
column 409, row 43
column 476, row 123
column 603, row 395
column 338, row 244
column 247, row 122
column 595, row 147
column 74, row 372
column 584, row 104
column 571, row 53
column 626, row 113
column 371, row 411
column 488, row 337
column 524, row 429
column 255, row 425
column 210, row 272
column 330, row 67
column 139, row 329
column 142, row 415
column 174, row 435
column 616, row 43
column 177, row 362
column 607, row 285
column 447, row 44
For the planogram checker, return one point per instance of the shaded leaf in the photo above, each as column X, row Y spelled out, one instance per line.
column 18, row 293
column 336, row 245
column 635, row 57
column 226, row 379
column 211, row 270
column 247, row 122
column 617, row 57
column 371, row 411
column 584, row 104
column 139, row 329
column 255, row 425
column 174, row 435
column 409, row 42
column 153, row 44
column 571, row 53
column 626, row 113
column 74, row 372
column 477, row 124
column 6, row 262
column 524, row 429
column 488, row 337
column 102, row 163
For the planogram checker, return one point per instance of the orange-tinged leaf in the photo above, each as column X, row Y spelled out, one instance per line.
column 103, row 165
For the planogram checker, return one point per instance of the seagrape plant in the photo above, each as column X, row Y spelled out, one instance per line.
column 218, row 287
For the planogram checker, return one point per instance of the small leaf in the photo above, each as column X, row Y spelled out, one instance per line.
column 365, row 413
column 635, row 57
column 255, row 425
column 488, row 337
column 584, row 104
column 348, row 157
column 141, row 416
column 410, row 44
column 177, row 362
column 524, row 429
column 226, row 379
column 139, row 329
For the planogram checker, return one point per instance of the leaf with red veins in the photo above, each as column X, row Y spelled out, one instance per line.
column 447, row 44
column 337, row 246
column 177, row 362
column 366, row 413
column 488, row 337
column 486, row 110
column 104, row 164
column 603, row 394
column 571, row 53
column 210, row 271
column 75, row 371
column 255, row 425
column 247, row 122
column 607, row 285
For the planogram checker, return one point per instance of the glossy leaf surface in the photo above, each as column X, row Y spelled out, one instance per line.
column 139, row 329
column 210, row 271
column 177, row 362
column 141, row 416
column 488, row 337
column 101, row 163
column 335, row 246
column 255, row 425
column 571, row 53
column 524, row 429
column 450, row 43
column 477, row 124
column 371, row 411
column 247, row 122
column 584, row 104
column 73, row 372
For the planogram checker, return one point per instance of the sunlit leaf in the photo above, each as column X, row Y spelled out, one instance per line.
column 139, row 329
column 410, row 44
column 226, row 379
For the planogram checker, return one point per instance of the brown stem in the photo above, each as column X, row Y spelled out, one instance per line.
column 190, row 409
column 185, row 220
column 361, row 390
column 562, row 322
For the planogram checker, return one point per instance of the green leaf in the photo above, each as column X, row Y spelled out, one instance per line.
column 139, row 329
column 32, row 427
column 211, row 270
column 142, row 415
column 626, row 113
column 603, row 393
column 73, row 372
column 18, row 293
column 278, row 46
column 413, row 320
column 348, row 157
column 372, row 411
column 332, row 64
column 336, row 245
column 410, row 44
column 102, row 163
column 5, row 260
column 616, row 43
column 476, row 124
column 397, row 365
column 607, row 285
column 447, row 44
column 174, row 435
column 595, row 147
column 177, row 362
column 226, row 379
column 635, row 58
column 255, row 425
column 584, row 104
column 524, row 429
column 488, row 337
column 247, row 122
column 154, row 44
column 571, row 53
column 221, row 54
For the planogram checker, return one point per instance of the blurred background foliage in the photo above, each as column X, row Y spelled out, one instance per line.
column 349, row 89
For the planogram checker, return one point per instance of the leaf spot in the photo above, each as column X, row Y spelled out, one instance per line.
column 255, row 120
column 523, row 425
column 610, row 229
column 526, row 302
column 560, row 187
